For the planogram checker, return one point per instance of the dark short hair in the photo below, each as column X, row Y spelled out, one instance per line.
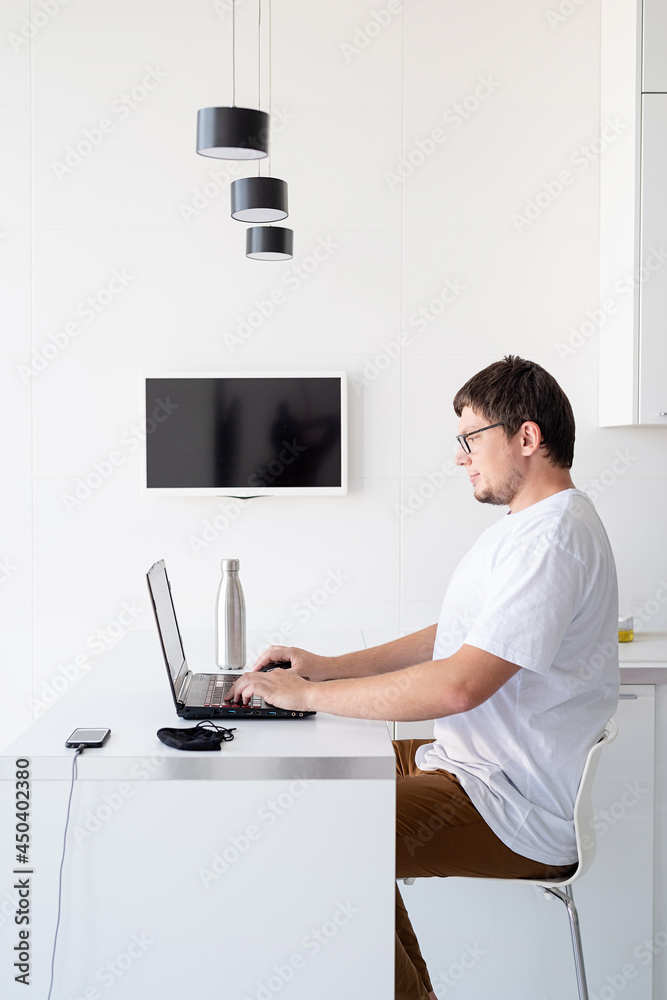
column 514, row 390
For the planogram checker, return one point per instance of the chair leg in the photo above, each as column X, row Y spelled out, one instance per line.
column 567, row 898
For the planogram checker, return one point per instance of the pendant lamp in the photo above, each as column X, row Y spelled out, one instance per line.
column 263, row 199
column 269, row 243
column 259, row 199
column 233, row 133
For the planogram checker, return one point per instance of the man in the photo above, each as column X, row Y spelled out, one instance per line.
column 508, row 671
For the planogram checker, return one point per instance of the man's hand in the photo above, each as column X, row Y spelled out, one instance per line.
column 282, row 688
column 433, row 689
column 304, row 664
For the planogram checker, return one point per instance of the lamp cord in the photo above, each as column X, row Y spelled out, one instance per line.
column 233, row 53
column 259, row 71
column 270, row 41
column 79, row 750
column 259, row 79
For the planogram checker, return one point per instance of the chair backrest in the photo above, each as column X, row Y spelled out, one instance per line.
column 583, row 806
column 584, row 829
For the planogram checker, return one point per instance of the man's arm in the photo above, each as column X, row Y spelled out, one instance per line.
column 429, row 690
column 403, row 652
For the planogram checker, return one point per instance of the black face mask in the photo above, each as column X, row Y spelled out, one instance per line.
column 199, row 737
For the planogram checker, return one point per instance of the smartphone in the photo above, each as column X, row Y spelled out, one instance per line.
column 88, row 738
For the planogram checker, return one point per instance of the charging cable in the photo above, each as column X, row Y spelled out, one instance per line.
column 79, row 750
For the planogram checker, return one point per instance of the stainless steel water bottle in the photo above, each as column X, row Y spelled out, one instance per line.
column 230, row 619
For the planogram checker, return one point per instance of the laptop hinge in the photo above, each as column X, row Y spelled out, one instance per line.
column 182, row 694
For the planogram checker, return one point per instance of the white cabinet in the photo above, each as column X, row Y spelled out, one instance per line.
column 487, row 938
column 654, row 68
column 633, row 214
column 653, row 254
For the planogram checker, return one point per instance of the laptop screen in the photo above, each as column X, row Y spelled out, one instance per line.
column 165, row 617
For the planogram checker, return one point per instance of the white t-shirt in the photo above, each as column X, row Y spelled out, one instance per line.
column 538, row 589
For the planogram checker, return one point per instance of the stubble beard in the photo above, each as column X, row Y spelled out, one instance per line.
column 503, row 494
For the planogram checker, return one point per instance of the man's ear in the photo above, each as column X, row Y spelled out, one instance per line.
column 530, row 437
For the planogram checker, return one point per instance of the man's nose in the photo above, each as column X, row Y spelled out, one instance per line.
column 461, row 457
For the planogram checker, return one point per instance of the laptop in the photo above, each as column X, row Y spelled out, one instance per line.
column 198, row 696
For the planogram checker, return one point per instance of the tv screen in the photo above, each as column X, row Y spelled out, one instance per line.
column 246, row 434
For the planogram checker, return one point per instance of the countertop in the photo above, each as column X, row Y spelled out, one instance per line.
column 644, row 660
column 128, row 691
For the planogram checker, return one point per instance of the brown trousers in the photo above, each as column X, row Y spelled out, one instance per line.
column 439, row 833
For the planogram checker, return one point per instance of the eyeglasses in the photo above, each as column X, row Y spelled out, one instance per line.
column 463, row 438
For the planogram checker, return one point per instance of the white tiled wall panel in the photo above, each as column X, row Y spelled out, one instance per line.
column 416, row 138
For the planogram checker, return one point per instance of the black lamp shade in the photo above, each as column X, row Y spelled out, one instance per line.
column 233, row 133
column 259, row 199
column 269, row 243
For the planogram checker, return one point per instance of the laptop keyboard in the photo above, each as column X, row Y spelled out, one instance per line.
column 218, row 688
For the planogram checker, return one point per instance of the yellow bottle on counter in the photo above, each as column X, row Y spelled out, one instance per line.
column 626, row 632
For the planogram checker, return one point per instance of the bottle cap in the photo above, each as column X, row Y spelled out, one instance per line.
column 625, row 624
column 230, row 565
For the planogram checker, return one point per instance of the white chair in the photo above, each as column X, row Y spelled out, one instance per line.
column 585, row 835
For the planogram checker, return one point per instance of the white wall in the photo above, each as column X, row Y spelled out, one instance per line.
column 358, row 90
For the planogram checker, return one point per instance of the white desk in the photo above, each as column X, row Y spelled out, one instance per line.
column 241, row 872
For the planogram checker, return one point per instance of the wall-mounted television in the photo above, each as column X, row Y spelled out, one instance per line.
column 246, row 434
